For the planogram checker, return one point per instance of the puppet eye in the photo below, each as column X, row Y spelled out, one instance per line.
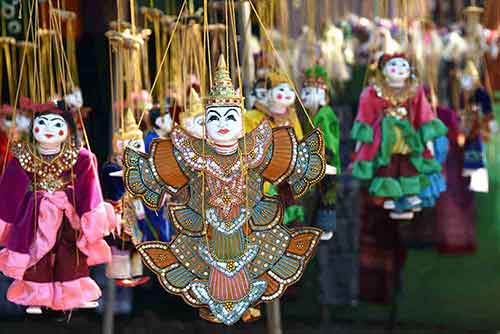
column 231, row 118
column 213, row 118
column 41, row 122
column 58, row 125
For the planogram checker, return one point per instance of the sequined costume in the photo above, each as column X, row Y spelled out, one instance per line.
column 231, row 249
column 393, row 130
column 52, row 223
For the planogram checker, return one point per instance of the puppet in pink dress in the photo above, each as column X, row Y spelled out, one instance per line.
column 52, row 217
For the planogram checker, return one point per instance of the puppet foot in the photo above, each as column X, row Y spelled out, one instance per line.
column 132, row 282
column 414, row 200
column 389, row 205
column 89, row 305
column 252, row 314
column 325, row 236
column 402, row 215
column 36, row 310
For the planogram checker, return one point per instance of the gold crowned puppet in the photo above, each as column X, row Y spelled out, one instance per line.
column 231, row 250
column 278, row 106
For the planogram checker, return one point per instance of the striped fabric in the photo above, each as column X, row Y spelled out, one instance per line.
column 223, row 288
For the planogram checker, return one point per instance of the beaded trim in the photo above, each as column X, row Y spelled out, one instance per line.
column 48, row 174
column 226, row 169
column 228, row 268
column 395, row 97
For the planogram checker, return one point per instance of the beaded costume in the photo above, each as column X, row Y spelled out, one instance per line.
column 231, row 250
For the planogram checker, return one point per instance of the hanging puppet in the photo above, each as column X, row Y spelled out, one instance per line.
column 395, row 128
column 316, row 98
column 126, row 266
column 52, row 217
column 278, row 107
column 193, row 120
column 477, row 123
column 161, row 125
column 231, row 250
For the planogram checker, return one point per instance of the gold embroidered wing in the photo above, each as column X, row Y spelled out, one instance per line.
column 301, row 164
column 150, row 177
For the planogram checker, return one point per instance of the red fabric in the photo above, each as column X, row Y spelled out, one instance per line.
column 4, row 140
column 371, row 111
column 65, row 262
column 400, row 166
column 382, row 257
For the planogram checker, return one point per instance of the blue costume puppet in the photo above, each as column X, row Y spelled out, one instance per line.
column 477, row 122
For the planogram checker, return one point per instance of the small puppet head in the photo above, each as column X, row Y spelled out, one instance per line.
column 162, row 123
column 223, row 110
column 130, row 135
column 193, row 119
column 315, row 91
column 395, row 68
column 54, row 125
column 281, row 94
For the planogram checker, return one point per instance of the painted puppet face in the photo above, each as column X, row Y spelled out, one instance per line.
column 50, row 130
column 282, row 96
column 259, row 94
column 224, row 124
column 397, row 70
column 135, row 144
column 164, row 124
column 195, row 126
column 313, row 97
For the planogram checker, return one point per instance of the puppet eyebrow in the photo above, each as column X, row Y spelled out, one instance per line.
column 230, row 110
column 51, row 118
column 214, row 112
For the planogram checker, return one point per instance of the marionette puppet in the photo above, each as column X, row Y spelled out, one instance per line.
column 395, row 128
column 315, row 95
column 193, row 120
column 231, row 250
column 161, row 125
column 135, row 225
column 53, row 219
column 279, row 108
column 477, row 124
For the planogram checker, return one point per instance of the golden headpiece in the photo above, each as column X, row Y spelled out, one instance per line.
column 277, row 78
column 130, row 131
column 195, row 108
column 222, row 92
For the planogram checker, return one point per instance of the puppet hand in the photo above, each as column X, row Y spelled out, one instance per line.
column 430, row 147
column 493, row 125
column 358, row 146
column 118, row 173
column 330, row 170
column 140, row 213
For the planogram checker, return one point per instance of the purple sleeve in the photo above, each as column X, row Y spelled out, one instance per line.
column 88, row 189
column 14, row 185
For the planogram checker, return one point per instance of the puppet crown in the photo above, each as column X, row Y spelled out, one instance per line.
column 316, row 76
column 222, row 92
